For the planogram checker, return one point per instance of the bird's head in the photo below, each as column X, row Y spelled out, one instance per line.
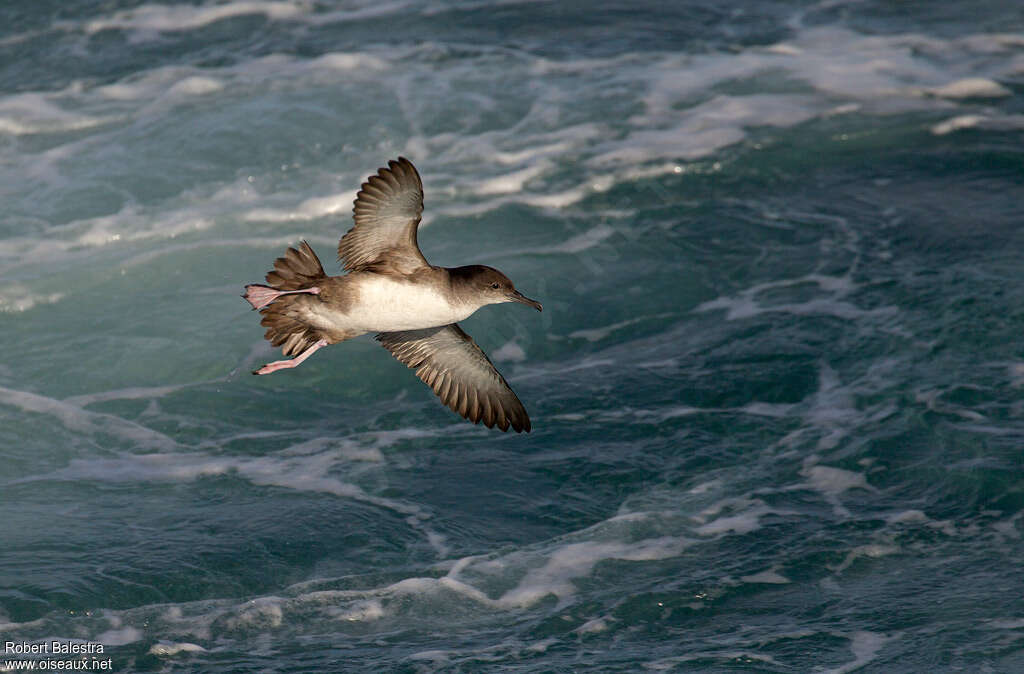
column 489, row 286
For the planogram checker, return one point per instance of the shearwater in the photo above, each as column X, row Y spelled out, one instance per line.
column 391, row 289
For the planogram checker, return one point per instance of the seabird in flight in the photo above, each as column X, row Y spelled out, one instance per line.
column 391, row 289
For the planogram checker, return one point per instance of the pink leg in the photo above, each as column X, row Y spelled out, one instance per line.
column 292, row 362
column 260, row 296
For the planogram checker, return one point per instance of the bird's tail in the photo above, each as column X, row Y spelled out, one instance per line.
column 281, row 301
column 299, row 268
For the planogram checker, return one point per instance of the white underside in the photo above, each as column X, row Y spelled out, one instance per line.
column 385, row 305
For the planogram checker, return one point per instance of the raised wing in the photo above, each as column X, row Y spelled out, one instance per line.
column 450, row 362
column 387, row 213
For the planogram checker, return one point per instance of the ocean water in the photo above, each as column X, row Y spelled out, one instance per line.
column 777, row 388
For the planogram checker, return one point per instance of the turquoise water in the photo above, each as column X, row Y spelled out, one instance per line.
column 776, row 389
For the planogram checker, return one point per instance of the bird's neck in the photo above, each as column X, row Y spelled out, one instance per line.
column 462, row 292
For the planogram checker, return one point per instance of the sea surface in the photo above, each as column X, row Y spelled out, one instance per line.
column 777, row 388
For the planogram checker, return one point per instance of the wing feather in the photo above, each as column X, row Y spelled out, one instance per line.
column 459, row 372
column 387, row 214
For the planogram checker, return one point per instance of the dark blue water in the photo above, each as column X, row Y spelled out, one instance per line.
column 776, row 390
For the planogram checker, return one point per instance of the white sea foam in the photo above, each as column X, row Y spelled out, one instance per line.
column 539, row 151
column 350, row 62
column 705, row 487
column 194, row 213
column 546, row 569
column 732, row 657
column 747, row 305
column 76, row 419
column 832, row 481
column 169, row 649
column 439, row 543
column 258, row 614
column 578, row 559
column 1008, row 527
column 743, row 515
column 509, row 352
column 585, row 241
column 271, row 243
column 971, row 87
column 597, row 334
column 769, row 576
column 1015, row 373
column 36, row 113
column 195, row 86
column 584, row 364
column 542, row 646
column 156, row 17
column 907, row 517
column 831, row 413
column 947, row 527
column 708, row 127
column 740, row 523
column 555, row 200
column 958, row 123
column 676, row 411
column 869, row 550
column 434, row 657
column 594, row 626
column 16, row 298
column 865, row 647
column 332, row 448
column 314, row 207
column 119, row 636
column 293, row 470
column 130, row 225
column 774, row 410
column 127, row 225
column 361, row 611
column 390, row 438
column 870, row 72
column 512, row 182
column 684, row 115
column 131, row 393
column 985, row 122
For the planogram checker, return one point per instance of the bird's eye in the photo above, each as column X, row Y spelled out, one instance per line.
column 495, row 285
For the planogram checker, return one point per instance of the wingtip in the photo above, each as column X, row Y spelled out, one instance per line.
column 399, row 165
column 519, row 425
column 406, row 167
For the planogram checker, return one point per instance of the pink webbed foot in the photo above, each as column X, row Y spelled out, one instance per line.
column 292, row 362
column 260, row 296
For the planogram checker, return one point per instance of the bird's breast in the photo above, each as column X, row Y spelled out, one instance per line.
column 384, row 304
